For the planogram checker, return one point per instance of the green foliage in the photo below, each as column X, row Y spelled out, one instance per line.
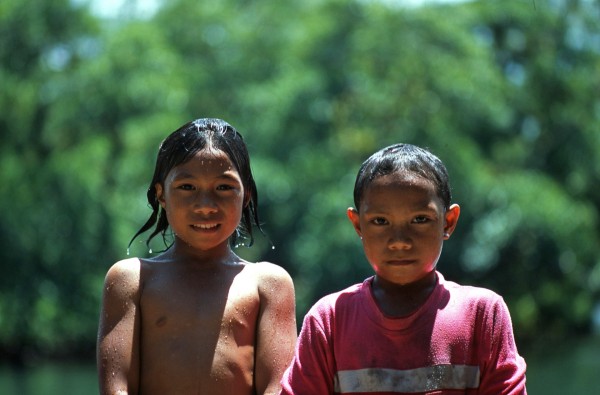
column 504, row 92
column 48, row 243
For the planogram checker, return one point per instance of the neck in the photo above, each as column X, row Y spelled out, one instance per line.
column 221, row 254
column 397, row 300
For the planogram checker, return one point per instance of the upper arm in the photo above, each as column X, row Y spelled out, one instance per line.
column 118, row 330
column 504, row 372
column 276, row 332
column 312, row 368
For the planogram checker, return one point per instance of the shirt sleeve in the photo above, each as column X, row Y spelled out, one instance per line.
column 312, row 368
column 503, row 369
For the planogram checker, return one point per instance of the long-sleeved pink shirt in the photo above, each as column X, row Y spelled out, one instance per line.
column 459, row 342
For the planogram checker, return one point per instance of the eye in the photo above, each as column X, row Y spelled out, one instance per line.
column 225, row 187
column 379, row 221
column 186, row 187
column 420, row 219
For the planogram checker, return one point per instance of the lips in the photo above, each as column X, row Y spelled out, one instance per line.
column 205, row 226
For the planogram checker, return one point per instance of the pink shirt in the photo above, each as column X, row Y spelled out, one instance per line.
column 459, row 342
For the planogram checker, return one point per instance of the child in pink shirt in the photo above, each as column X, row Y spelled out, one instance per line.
column 406, row 329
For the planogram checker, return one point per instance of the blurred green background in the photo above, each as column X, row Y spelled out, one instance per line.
column 506, row 92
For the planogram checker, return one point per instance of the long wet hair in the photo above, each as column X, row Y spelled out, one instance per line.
column 403, row 157
column 179, row 147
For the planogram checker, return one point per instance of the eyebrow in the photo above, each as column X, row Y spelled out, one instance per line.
column 422, row 206
column 226, row 176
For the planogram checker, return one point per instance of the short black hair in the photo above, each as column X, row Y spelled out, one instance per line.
column 403, row 157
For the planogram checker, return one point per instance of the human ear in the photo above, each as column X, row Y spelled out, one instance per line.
column 353, row 216
column 450, row 220
column 159, row 194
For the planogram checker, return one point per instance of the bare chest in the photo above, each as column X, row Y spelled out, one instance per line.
column 200, row 326
column 180, row 300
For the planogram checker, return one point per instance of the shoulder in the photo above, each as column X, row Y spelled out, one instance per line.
column 268, row 272
column 339, row 301
column 125, row 268
column 337, row 306
column 486, row 303
column 271, row 280
column 124, row 276
column 475, row 293
column 471, row 293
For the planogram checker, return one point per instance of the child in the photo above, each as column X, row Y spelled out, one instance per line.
column 406, row 329
column 197, row 319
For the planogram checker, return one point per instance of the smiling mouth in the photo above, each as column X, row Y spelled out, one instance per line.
column 205, row 226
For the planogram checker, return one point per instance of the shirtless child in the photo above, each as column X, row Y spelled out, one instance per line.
column 197, row 319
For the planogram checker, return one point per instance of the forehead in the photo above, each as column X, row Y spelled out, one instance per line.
column 205, row 162
column 401, row 187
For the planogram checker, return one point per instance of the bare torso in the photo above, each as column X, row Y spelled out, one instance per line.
column 197, row 329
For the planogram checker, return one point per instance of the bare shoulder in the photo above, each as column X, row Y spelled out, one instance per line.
column 267, row 272
column 125, row 268
column 124, row 277
column 273, row 282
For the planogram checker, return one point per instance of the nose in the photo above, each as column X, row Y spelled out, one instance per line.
column 204, row 202
column 399, row 239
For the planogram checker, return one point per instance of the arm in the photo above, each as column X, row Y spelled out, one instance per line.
column 118, row 331
column 504, row 370
column 312, row 369
column 276, row 329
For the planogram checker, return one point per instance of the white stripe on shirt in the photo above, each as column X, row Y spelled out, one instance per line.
column 429, row 378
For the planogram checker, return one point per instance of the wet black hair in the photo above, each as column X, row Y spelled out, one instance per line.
column 403, row 157
column 179, row 147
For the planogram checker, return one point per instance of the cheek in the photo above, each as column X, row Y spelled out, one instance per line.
column 373, row 241
column 235, row 205
column 370, row 250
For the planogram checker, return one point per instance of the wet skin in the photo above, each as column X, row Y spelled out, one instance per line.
column 197, row 319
